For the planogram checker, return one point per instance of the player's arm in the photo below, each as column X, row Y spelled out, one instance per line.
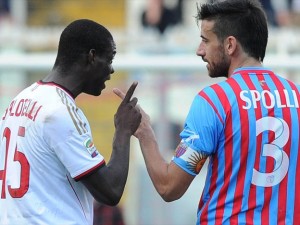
column 170, row 181
column 107, row 183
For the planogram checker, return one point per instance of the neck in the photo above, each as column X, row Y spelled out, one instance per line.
column 67, row 82
column 247, row 62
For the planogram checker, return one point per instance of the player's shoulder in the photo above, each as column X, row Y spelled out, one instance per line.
column 52, row 94
column 215, row 88
column 54, row 99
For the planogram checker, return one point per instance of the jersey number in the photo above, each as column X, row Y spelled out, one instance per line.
column 274, row 150
column 20, row 158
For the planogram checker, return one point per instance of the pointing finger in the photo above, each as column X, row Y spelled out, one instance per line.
column 119, row 93
column 130, row 92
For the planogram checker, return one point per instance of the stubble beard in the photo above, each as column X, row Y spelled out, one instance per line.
column 220, row 68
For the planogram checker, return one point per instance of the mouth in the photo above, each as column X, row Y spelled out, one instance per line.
column 108, row 78
column 103, row 84
column 207, row 66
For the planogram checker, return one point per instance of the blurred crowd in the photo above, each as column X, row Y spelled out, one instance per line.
column 159, row 16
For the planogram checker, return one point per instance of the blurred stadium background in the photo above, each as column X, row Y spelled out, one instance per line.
column 165, row 65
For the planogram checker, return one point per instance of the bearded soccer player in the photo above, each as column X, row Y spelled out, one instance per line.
column 246, row 126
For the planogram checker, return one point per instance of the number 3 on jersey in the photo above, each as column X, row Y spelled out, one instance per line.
column 274, row 150
column 18, row 157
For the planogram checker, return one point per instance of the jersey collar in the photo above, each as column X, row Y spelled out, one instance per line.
column 40, row 82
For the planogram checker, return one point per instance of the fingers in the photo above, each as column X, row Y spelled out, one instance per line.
column 130, row 92
column 134, row 101
column 126, row 98
column 119, row 93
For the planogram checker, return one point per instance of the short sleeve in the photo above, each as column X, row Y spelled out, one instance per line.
column 199, row 138
column 69, row 137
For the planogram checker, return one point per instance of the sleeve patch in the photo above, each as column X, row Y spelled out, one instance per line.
column 90, row 147
column 194, row 159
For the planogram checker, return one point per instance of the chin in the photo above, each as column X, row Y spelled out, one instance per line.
column 98, row 93
column 94, row 93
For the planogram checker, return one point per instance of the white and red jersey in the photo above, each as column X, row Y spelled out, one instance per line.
column 45, row 148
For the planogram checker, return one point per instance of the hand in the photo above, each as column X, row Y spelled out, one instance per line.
column 128, row 116
column 145, row 122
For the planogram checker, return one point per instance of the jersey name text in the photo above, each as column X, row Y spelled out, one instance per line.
column 23, row 107
column 268, row 99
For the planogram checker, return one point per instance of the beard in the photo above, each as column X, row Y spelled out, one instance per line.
column 220, row 67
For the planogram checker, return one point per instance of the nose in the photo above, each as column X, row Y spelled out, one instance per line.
column 200, row 50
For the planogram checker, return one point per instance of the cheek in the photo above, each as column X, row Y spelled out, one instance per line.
column 105, row 71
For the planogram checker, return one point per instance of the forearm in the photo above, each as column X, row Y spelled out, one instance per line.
column 118, row 164
column 170, row 181
column 107, row 183
column 157, row 167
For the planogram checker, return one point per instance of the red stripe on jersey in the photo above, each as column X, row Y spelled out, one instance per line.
column 77, row 178
column 213, row 180
column 282, row 201
column 252, row 191
column 228, row 150
column 240, row 182
column 270, row 164
column 204, row 95
column 213, row 185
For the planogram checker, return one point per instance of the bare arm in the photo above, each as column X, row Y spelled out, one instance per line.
column 170, row 181
column 107, row 183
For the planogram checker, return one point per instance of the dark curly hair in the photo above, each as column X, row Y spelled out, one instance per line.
column 78, row 38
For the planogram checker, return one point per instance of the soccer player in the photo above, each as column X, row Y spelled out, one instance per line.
column 50, row 170
column 246, row 126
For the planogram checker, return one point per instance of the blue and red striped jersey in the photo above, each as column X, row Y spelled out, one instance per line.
column 248, row 125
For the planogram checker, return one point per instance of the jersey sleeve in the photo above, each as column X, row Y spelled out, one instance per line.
column 68, row 135
column 199, row 137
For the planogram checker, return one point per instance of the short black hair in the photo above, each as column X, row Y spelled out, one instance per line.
column 78, row 38
column 243, row 19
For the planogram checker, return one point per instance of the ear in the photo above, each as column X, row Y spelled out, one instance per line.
column 230, row 45
column 92, row 55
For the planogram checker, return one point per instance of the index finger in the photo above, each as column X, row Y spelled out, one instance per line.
column 130, row 92
column 119, row 93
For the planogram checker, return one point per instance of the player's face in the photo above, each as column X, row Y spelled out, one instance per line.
column 101, row 72
column 212, row 51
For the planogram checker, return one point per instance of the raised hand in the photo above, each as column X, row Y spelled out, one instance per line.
column 128, row 116
column 145, row 123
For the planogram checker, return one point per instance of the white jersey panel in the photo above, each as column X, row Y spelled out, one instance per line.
column 46, row 144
